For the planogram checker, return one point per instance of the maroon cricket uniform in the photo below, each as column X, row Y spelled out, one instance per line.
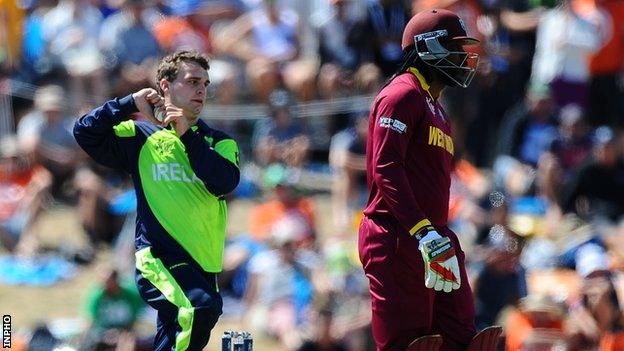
column 409, row 159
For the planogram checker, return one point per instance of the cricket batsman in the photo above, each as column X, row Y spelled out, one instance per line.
column 414, row 263
column 181, row 169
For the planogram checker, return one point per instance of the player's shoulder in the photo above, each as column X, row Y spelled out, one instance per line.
column 401, row 90
column 145, row 128
column 215, row 134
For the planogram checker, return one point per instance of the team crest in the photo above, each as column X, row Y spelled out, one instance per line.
column 164, row 148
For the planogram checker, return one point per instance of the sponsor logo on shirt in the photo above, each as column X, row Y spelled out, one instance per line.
column 394, row 124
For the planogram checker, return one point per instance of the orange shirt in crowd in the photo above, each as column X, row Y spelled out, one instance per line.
column 13, row 188
column 612, row 342
column 609, row 59
column 470, row 176
column 12, row 17
column 520, row 326
column 263, row 216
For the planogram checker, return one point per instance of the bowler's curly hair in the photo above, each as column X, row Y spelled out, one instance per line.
column 169, row 66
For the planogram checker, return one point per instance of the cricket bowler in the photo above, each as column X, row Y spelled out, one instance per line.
column 181, row 170
column 414, row 263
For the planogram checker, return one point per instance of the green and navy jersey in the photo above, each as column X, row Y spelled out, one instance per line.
column 179, row 181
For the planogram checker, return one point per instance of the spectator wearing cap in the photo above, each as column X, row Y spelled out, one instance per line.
column 595, row 320
column 281, row 139
column 280, row 285
column 598, row 188
column 46, row 134
column 49, row 106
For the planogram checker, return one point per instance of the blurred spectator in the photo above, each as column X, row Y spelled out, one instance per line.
column 606, row 91
column 24, row 191
column 511, row 45
column 504, row 70
column 268, row 41
column 285, row 198
column 98, row 189
column 280, row 286
column 71, row 30
column 469, row 186
column 379, row 35
column 528, row 128
column 42, row 339
column 368, row 79
column 574, row 144
column 565, row 39
column 537, row 324
column 549, row 180
column 347, row 156
column 335, row 37
column 189, row 25
column 126, row 35
column 324, row 336
column 46, row 132
column 113, row 309
column 598, row 188
column 281, row 139
column 501, row 281
column 595, row 320
column 130, row 48
column 49, row 105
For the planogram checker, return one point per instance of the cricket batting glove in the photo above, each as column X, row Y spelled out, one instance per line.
column 441, row 266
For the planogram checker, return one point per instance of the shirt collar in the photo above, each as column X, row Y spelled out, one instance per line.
column 421, row 80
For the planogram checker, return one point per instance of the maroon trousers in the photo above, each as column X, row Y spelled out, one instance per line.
column 403, row 308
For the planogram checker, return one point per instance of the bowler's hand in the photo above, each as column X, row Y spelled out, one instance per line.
column 148, row 102
column 441, row 266
column 174, row 114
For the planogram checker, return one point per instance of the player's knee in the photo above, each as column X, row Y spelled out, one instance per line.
column 208, row 303
column 205, row 318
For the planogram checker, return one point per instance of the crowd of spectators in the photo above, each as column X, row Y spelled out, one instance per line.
column 537, row 196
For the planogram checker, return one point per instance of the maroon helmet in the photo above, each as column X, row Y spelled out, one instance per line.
column 431, row 33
